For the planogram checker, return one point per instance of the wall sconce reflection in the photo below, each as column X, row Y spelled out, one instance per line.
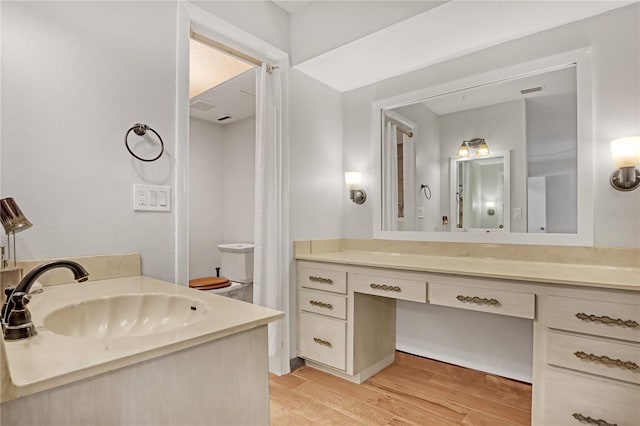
column 626, row 155
column 356, row 193
column 490, row 210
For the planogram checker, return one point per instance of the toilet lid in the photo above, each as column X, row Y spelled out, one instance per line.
column 209, row 283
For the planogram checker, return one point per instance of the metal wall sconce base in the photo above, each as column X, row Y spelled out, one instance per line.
column 358, row 196
column 625, row 179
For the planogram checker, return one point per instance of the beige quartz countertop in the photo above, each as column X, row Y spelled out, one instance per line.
column 49, row 359
column 622, row 278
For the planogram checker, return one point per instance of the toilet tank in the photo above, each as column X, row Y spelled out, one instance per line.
column 236, row 262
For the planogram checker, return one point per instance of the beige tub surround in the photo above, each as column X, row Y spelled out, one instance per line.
column 50, row 359
column 583, row 303
column 581, row 266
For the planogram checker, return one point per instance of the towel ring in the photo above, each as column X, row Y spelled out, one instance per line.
column 140, row 130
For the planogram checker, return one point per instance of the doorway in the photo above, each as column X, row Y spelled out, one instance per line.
column 222, row 130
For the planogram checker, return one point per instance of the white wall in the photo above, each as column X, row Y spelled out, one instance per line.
column 75, row 77
column 614, row 38
column 206, row 196
column 317, row 188
column 262, row 18
column 503, row 127
column 324, row 25
column 239, row 181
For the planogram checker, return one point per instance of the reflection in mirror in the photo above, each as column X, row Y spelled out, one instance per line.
column 532, row 118
column 480, row 201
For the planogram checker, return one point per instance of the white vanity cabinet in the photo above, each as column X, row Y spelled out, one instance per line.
column 591, row 359
column 586, row 338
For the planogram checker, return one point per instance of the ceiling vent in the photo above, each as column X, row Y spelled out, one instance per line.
column 531, row 90
column 201, row 105
column 224, row 117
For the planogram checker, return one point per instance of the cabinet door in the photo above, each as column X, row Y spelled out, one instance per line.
column 571, row 399
column 320, row 278
column 600, row 318
column 395, row 288
column 323, row 303
column 323, row 340
column 501, row 302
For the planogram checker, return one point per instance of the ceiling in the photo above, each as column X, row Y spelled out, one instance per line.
column 551, row 83
column 209, row 67
column 292, row 5
column 435, row 36
column 235, row 98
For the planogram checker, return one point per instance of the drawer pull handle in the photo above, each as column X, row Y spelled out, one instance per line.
column 320, row 280
column 320, row 304
column 593, row 421
column 385, row 287
column 607, row 320
column 607, row 361
column 478, row 300
column 322, row 342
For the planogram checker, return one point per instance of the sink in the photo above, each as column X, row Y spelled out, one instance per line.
column 128, row 315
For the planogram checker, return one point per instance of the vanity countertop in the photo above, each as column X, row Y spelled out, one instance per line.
column 616, row 277
column 48, row 359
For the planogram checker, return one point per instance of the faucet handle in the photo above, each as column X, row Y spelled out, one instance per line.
column 20, row 300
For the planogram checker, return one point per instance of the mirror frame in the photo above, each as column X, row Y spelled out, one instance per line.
column 581, row 59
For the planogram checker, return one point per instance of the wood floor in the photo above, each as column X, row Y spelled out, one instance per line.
column 412, row 391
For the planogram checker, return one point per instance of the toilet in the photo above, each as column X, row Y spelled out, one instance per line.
column 236, row 264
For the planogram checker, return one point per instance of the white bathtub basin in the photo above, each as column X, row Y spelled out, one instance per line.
column 129, row 315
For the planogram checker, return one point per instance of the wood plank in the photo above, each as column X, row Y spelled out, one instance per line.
column 282, row 415
column 483, row 391
column 496, row 409
column 477, row 418
column 307, row 408
column 347, row 405
column 290, row 381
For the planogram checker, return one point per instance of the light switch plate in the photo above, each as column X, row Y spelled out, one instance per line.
column 152, row 198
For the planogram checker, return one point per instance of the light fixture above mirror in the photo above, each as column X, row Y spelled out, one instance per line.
column 482, row 149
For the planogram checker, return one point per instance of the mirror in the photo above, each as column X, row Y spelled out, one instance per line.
column 526, row 181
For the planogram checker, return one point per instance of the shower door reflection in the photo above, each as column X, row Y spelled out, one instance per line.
column 481, row 193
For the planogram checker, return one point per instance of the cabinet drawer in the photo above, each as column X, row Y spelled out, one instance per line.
column 501, row 302
column 322, row 279
column 395, row 288
column 568, row 395
column 320, row 302
column 607, row 319
column 610, row 359
column 323, row 340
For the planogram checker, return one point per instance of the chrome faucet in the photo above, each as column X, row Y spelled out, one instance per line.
column 16, row 318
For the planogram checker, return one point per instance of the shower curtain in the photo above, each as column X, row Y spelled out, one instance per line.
column 390, row 166
column 270, row 277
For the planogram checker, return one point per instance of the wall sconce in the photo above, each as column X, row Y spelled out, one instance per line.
column 626, row 155
column 13, row 220
column 482, row 149
column 356, row 193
